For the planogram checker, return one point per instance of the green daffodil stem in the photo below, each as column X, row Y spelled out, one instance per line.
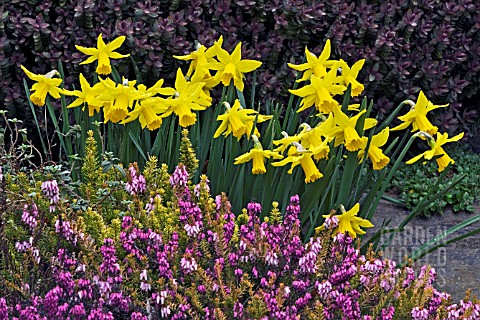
column 370, row 209
column 392, row 116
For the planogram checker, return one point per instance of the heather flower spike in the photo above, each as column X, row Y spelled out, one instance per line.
column 103, row 53
column 437, row 150
column 45, row 84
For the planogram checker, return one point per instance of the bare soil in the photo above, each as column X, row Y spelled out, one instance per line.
column 457, row 264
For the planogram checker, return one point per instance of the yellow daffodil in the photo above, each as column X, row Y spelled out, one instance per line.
column 299, row 156
column 201, row 57
column 186, row 96
column 45, row 84
column 103, row 53
column 147, row 113
column 349, row 76
column 375, row 154
column 118, row 98
column 238, row 121
column 232, row 66
column 315, row 66
column 349, row 222
column 258, row 155
column 417, row 116
column 320, row 93
column 345, row 131
column 88, row 95
column 436, row 150
column 286, row 141
column 250, row 123
column 154, row 90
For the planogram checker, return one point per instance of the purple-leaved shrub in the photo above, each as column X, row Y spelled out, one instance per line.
column 408, row 45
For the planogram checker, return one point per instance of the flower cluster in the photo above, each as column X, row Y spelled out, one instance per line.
column 127, row 101
column 136, row 183
column 50, row 190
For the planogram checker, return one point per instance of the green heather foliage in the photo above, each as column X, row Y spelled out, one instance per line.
column 153, row 245
column 409, row 45
column 416, row 182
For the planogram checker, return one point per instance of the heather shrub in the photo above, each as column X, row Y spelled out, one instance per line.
column 408, row 45
column 171, row 251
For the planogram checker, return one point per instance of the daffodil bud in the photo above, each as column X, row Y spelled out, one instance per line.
column 410, row 103
column 52, row 73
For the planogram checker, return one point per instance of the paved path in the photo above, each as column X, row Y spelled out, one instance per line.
column 457, row 264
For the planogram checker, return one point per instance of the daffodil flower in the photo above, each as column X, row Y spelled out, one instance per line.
column 238, row 121
column 232, row 66
column 436, row 150
column 103, row 53
column 417, row 116
column 118, row 98
column 154, row 90
column 315, row 66
column 147, row 112
column 320, row 93
column 45, row 84
column 345, row 131
column 349, row 222
column 88, row 95
column 298, row 155
column 376, row 155
column 186, row 96
column 286, row 141
column 257, row 155
column 201, row 57
column 349, row 76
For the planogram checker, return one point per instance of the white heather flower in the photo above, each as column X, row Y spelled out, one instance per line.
column 165, row 311
column 271, row 258
column 188, row 265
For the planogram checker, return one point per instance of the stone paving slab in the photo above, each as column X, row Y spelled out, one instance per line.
column 457, row 264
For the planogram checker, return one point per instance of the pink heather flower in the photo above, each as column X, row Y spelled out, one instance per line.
column 196, row 189
column 179, row 178
column 324, row 288
column 136, row 182
column 286, row 291
column 271, row 258
column 145, row 286
column 188, row 264
column 29, row 216
column 331, row 222
column 24, row 245
column 138, row 316
column 63, row 228
column 143, row 275
column 218, row 201
column 419, row 314
column 165, row 311
column 51, row 191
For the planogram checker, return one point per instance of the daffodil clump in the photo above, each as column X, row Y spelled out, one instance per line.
column 126, row 100
column 328, row 130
